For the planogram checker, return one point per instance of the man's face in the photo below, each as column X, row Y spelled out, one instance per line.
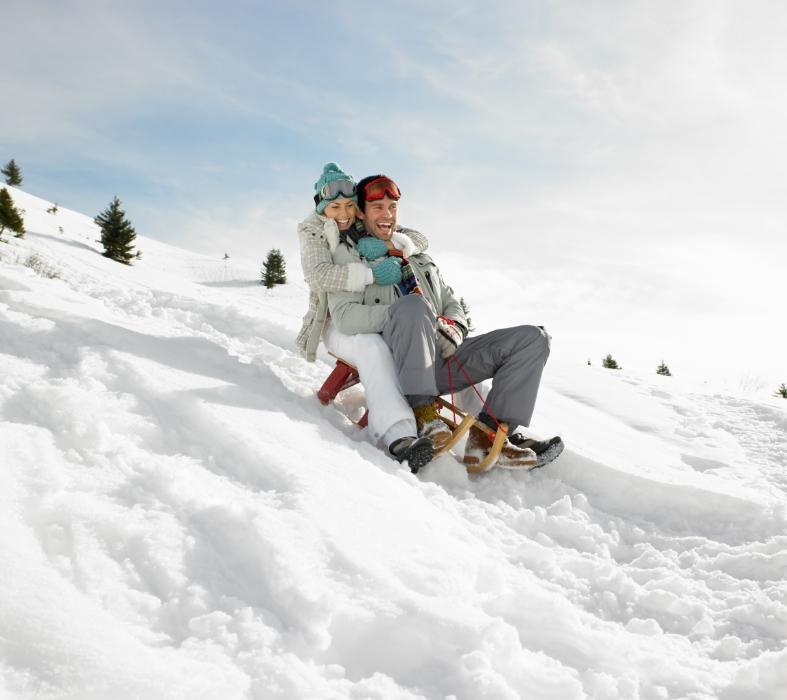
column 379, row 217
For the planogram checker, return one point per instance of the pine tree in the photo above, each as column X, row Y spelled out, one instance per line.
column 663, row 370
column 13, row 175
column 781, row 392
column 10, row 217
column 610, row 363
column 466, row 310
column 273, row 269
column 117, row 233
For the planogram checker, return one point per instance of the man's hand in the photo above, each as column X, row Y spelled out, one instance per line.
column 388, row 271
column 371, row 248
column 449, row 336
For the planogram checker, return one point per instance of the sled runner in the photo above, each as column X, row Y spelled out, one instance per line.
column 344, row 375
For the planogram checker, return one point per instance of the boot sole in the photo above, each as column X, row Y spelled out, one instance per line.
column 420, row 453
column 550, row 454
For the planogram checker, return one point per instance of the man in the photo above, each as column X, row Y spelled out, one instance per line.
column 423, row 323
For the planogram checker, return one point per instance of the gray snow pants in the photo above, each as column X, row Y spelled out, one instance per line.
column 513, row 358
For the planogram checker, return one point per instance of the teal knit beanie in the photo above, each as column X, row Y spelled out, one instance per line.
column 331, row 172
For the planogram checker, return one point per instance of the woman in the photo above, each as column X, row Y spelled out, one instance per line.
column 391, row 419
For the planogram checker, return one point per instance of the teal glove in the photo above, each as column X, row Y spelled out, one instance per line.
column 388, row 271
column 371, row 248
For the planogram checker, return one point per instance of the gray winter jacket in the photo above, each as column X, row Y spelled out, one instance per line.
column 367, row 311
column 318, row 237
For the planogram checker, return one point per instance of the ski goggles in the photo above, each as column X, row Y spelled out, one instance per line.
column 379, row 187
column 337, row 188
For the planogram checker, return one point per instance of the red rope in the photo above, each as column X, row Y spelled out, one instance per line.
column 470, row 381
column 451, row 388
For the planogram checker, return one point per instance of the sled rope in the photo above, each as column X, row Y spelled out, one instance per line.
column 487, row 410
column 451, row 389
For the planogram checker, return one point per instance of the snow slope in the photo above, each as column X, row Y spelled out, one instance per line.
column 181, row 518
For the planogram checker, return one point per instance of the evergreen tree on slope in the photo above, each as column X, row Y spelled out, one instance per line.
column 10, row 218
column 273, row 269
column 13, row 175
column 466, row 310
column 610, row 362
column 663, row 370
column 117, row 233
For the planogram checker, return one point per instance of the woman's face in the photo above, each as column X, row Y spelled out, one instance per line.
column 341, row 210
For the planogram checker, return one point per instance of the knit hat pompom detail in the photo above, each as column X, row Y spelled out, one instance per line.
column 332, row 173
column 331, row 168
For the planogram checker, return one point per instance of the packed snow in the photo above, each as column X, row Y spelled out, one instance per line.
column 181, row 518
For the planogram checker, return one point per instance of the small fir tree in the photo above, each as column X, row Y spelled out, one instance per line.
column 10, row 217
column 13, row 175
column 663, row 370
column 466, row 309
column 273, row 269
column 610, row 363
column 781, row 392
column 52, row 209
column 117, row 233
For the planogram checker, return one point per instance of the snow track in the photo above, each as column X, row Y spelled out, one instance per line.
column 180, row 518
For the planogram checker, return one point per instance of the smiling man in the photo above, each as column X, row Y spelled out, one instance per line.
column 422, row 322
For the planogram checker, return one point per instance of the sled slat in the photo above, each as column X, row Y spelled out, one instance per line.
column 458, row 433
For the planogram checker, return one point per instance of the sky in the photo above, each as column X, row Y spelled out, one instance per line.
column 583, row 155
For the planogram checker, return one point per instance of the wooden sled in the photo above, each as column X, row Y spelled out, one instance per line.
column 344, row 375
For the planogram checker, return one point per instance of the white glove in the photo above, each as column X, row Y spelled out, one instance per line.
column 449, row 336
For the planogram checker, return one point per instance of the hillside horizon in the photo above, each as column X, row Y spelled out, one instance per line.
column 745, row 375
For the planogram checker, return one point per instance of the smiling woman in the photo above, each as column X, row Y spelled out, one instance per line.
column 390, row 418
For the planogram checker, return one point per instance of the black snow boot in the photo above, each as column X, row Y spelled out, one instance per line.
column 417, row 452
column 546, row 450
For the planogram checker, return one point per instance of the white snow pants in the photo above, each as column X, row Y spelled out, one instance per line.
column 390, row 416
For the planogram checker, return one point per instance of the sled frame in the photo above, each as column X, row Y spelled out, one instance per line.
column 460, row 428
column 345, row 375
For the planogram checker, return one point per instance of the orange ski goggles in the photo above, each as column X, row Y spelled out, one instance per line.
column 379, row 187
